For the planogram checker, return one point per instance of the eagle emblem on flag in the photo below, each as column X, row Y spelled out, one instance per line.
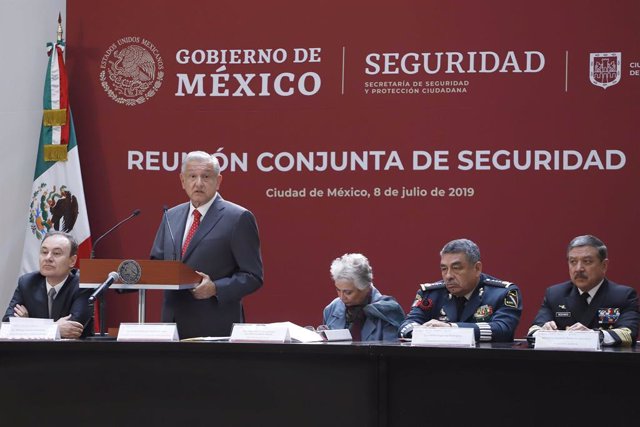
column 52, row 208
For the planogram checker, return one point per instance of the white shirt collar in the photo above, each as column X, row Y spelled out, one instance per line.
column 593, row 291
column 203, row 209
column 57, row 287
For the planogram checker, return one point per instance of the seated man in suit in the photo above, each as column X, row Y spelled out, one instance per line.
column 54, row 292
column 220, row 241
column 589, row 300
column 466, row 298
column 360, row 307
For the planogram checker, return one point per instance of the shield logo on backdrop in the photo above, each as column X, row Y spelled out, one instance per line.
column 132, row 70
column 605, row 69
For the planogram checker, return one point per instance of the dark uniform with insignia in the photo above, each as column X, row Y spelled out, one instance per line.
column 614, row 308
column 493, row 309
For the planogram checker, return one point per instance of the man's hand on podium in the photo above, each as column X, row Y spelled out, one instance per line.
column 206, row 288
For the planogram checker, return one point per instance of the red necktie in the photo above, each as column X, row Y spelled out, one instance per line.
column 192, row 230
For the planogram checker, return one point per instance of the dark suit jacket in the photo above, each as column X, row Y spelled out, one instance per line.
column 226, row 246
column 32, row 293
column 614, row 308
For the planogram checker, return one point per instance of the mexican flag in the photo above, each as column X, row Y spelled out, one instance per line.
column 57, row 198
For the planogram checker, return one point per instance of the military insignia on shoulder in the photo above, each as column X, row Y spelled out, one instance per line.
column 483, row 313
column 428, row 286
column 511, row 300
column 416, row 300
column 498, row 283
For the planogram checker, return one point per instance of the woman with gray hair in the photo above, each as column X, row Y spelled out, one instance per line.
column 360, row 307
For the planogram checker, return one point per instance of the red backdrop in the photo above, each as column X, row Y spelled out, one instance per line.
column 350, row 103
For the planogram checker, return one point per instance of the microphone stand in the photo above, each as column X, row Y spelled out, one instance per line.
column 102, row 307
column 102, row 336
column 93, row 248
column 173, row 240
column 102, row 299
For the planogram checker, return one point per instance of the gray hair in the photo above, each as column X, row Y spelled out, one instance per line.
column 462, row 246
column 353, row 267
column 589, row 240
column 201, row 156
column 72, row 241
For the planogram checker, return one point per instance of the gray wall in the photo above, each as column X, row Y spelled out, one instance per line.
column 25, row 28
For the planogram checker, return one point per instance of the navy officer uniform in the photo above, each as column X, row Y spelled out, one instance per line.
column 613, row 309
column 493, row 309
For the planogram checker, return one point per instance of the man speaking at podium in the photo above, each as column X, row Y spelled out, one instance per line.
column 220, row 241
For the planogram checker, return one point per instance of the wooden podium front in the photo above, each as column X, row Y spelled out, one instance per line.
column 155, row 274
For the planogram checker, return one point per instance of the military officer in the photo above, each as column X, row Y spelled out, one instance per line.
column 466, row 298
column 589, row 301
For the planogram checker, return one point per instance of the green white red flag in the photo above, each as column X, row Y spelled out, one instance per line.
column 57, row 199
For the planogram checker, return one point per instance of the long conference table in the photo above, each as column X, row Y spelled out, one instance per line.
column 90, row 383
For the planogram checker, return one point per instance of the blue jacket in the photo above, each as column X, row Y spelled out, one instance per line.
column 493, row 310
column 383, row 317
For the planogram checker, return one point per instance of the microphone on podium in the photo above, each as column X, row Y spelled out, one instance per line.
column 136, row 212
column 173, row 240
column 113, row 276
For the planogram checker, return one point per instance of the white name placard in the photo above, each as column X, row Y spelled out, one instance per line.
column 26, row 328
column 567, row 340
column 299, row 334
column 161, row 332
column 337, row 335
column 443, row 337
column 260, row 332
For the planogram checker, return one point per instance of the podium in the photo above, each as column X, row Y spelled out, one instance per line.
column 155, row 274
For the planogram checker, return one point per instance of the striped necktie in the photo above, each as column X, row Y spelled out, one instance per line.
column 52, row 296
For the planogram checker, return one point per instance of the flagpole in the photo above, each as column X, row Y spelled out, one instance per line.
column 57, row 199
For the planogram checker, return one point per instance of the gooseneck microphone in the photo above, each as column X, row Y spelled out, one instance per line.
column 136, row 212
column 173, row 241
column 113, row 276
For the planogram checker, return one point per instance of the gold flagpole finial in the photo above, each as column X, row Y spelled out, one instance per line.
column 59, row 27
